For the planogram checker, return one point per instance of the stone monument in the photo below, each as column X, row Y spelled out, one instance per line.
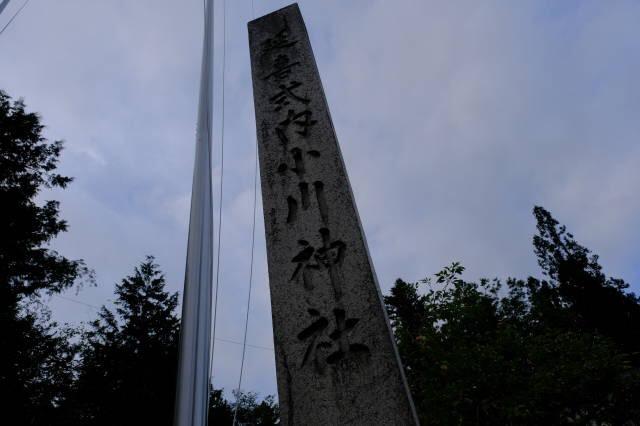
column 336, row 360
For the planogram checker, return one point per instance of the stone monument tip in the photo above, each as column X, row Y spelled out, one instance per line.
column 276, row 12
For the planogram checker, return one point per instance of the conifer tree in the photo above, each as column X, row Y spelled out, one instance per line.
column 36, row 359
column 127, row 373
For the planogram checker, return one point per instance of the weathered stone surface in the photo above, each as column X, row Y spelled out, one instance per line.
column 336, row 360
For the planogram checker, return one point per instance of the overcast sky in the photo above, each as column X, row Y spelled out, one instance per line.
column 455, row 118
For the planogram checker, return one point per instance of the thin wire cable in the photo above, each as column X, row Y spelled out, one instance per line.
column 249, row 345
column 14, row 16
column 253, row 244
column 224, row 66
column 219, row 339
column 77, row 301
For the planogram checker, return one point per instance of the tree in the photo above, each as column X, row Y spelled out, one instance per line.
column 599, row 303
column 36, row 356
column 220, row 410
column 523, row 351
column 27, row 166
column 43, row 357
column 127, row 373
column 250, row 411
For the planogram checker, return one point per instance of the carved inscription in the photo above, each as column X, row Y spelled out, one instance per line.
column 326, row 337
column 282, row 69
column 283, row 97
column 301, row 120
column 322, row 201
column 280, row 39
column 336, row 362
column 325, row 347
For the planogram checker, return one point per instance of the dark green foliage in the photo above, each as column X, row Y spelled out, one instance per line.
column 220, row 410
column 520, row 352
column 37, row 367
column 36, row 361
column 599, row 303
column 250, row 411
column 129, row 356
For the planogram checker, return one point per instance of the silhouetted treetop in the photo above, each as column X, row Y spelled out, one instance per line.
column 600, row 303
column 27, row 165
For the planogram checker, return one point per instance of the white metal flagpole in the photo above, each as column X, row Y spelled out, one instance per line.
column 192, row 392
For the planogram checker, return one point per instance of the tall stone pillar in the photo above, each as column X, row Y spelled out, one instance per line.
column 336, row 360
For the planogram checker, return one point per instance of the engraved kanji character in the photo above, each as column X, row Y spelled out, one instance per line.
column 339, row 335
column 306, row 264
column 331, row 256
column 299, row 162
column 292, row 202
column 312, row 333
column 282, row 137
column 338, row 339
column 323, row 208
column 301, row 119
column 286, row 92
column 280, row 40
column 282, row 68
